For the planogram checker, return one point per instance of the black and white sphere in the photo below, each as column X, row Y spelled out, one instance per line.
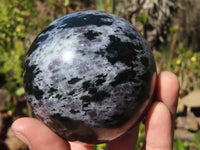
column 89, row 76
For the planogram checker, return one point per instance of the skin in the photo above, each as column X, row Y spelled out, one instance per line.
column 159, row 125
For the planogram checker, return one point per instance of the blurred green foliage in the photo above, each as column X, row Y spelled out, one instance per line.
column 100, row 147
column 105, row 5
column 180, row 145
column 66, row 3
column 14, row 21
column 196, row 141
column 142, row 19
column 112, row 6
column 141, row 136
column 10, row 106
column 184, row 63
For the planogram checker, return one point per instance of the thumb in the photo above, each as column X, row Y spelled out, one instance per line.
column 37, row 136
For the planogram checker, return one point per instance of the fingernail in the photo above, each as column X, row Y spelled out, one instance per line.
column 22, row 138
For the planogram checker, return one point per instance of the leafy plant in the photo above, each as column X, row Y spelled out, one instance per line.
column 180, row 145
column 184, row 63
column 141, row 136
column 108, row 5
column 10, row 106
column 196, row 140
column 99, row 5
column 105, row 5
column 100, row 147
column 142, row 19
column 66, row 3
column 14, row 21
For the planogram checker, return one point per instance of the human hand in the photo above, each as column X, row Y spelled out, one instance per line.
column 159, row 125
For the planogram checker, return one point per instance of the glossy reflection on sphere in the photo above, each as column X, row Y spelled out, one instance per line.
column 89, row 76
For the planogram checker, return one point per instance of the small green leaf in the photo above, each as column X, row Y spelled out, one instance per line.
column 173, row 29
column 25, row 111
column 142, row 19
column 66, row 3
column 141, row 136
column 100, row 147
column 20, row 91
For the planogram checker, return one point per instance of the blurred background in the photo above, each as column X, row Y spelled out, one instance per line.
column 171, row 27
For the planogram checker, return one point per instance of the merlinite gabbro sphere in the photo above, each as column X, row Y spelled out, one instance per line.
column 89, row 76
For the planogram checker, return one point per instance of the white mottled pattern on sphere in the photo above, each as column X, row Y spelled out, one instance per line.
column 89, row 66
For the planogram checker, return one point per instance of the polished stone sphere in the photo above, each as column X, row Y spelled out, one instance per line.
column 89, row 76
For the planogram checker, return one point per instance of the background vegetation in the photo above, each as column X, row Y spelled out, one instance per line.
column 175, row 45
